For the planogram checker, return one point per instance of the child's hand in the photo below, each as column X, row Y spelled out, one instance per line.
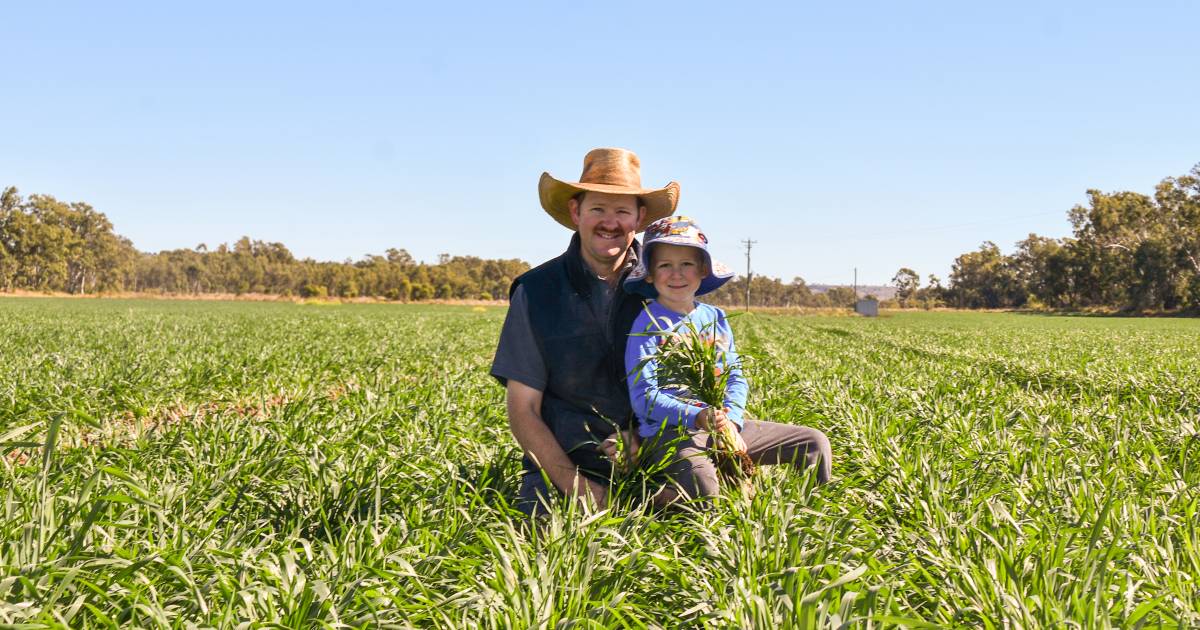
column 713, row 419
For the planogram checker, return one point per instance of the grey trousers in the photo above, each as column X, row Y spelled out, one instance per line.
column 692, row 471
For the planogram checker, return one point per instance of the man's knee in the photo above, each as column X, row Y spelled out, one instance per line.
column 534, row 496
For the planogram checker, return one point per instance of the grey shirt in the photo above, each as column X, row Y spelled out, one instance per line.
column 517, row 354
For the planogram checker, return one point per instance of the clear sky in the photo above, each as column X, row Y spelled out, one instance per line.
column 836, row 135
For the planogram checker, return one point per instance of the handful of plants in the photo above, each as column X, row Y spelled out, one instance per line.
column 693, row 363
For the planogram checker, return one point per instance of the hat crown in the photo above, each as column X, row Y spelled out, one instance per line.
column 612, row 171
column 676, row 230
column 614, row 167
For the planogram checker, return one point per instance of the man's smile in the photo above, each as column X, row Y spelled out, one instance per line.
column 612, row 235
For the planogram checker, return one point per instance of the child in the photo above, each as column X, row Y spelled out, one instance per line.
column 675, row 267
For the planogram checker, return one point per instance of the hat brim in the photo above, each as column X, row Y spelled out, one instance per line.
column 555, row 193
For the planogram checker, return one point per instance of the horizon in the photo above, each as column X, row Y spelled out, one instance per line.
column 875, row 137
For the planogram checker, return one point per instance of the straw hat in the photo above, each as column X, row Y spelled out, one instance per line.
column 616, row 171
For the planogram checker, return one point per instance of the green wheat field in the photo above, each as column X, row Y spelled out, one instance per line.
column 238, row 464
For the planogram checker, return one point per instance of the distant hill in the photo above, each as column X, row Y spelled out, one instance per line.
column 881, row 292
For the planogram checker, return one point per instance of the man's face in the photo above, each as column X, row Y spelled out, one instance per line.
column 606, row 223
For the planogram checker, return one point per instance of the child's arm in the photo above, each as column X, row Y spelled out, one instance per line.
column 737, row 389
column 648, row 400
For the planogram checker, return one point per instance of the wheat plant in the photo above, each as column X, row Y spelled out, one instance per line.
column 206, row 464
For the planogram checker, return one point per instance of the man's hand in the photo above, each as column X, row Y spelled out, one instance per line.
column 535, row 438
column 609, row 446
column 591, row 493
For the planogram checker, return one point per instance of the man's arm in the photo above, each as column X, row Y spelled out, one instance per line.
column 535, row 438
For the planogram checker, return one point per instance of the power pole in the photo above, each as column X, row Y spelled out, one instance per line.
column 856, row 284
column 748, row 243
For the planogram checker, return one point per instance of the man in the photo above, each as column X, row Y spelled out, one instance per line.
column 559, row 355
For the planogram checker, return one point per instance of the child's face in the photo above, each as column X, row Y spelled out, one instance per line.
column 676, row 272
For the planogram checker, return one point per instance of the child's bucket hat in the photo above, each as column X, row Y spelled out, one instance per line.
column 616, row 171
column 678, row 230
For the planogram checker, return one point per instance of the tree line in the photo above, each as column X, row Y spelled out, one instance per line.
column 1129, row 251
column 50, row 245
column 767, row 291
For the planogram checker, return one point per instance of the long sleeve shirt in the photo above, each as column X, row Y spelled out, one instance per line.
column 656, row 405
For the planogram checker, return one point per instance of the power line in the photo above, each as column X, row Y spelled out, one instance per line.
column 748, row 243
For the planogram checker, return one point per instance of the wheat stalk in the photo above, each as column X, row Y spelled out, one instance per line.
column 691, row 362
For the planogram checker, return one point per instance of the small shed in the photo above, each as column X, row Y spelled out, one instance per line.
column 867, row 307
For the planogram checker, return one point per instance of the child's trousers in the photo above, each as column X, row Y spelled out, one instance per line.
column 692, row 470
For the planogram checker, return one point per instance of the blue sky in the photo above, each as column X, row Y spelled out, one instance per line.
column 869, row 135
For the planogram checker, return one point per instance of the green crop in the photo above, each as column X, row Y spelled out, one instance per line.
column 206, row 464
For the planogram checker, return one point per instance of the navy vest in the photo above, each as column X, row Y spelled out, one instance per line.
column 586, row 397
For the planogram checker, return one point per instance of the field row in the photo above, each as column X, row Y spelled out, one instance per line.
column 176, row 463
